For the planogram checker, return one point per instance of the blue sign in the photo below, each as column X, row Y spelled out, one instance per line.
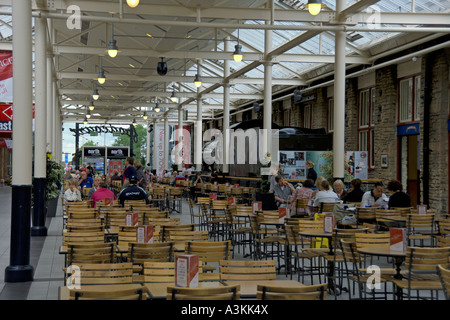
column 66, row 158
column 408, row 129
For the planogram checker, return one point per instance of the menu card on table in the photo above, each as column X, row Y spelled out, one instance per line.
column 144, row 234
column 283, row 213
column 329, row 223
column 231, row 201
column 397, row 239
column 422, row 209
column 257, row 206
column 186, row 270
column 109, row 201
column 132, row 219
column 213, row 196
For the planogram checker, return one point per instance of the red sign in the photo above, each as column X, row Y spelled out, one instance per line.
column 6, row 117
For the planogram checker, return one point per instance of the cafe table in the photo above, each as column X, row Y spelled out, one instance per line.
column 249, row 287
column 386, row 251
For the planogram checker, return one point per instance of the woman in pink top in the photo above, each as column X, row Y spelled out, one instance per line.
column 304, row 192
column 102, row 193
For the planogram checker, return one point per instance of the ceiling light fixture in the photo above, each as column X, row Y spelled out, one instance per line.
column 174, row 97
column 134, row 122
column 314, row 6
column 91, row 106
column 237, row 54
column 85, row 121
column 101, row 74
column 112, row 46
column 145, row 116
column 198, row 79
column 133, row 3
column 95, row 94
column 88, row 114
column 157, row 108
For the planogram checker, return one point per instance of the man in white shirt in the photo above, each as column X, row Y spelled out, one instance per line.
column 375, row 197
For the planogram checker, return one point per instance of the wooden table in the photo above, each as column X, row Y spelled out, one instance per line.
column 158, row 290
column 385, row 251
column 249, row 287
column 64, row 291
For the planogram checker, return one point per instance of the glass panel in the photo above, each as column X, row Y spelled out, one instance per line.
column 372, row 149
column 363, row 140
column 364, row 108
column 417, row 100
column 307, row 117
column 372, row 107
column 331, row 115
column 405, row 100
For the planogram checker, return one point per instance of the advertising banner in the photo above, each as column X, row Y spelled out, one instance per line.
column 6, row 76
column 159, row 148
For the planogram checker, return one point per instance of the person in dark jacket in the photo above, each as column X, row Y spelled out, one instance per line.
column 133, row 192
column 398, row 198
column 355, row 193
column 311, row 173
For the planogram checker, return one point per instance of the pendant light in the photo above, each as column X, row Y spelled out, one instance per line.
column 237, row 54
column 85, row 121
column 91, row 106
column 112, row 46
column 314, row 6
column 101, row 74
column 133, row 3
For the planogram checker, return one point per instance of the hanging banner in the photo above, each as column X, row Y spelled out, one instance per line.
column 182, row 152
column 159, row 149
column 6, row 73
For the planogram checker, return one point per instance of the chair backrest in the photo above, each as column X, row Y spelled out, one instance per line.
column 104, row 273
column 349, row 251
column 327, row 206
column 307, row 292
column 247, row 270
column 302, row 203
column 443, row 241
column 108, row 293
column 444, row 276
column 426, row 259
column 204, row 200
column 213, row 293
column 420, row 221
column 79, row 237
column 127, row 234
column 365, row 213
column 165, row 229
column 444, row 226
column 372, row 239
column 187, row 235
column 155, row 271
column 209, row 251
column 91, row 253
column 138, row 253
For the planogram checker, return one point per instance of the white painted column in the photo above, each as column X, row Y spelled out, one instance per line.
column 19, row 269
column 198, row 144
column 179, row 151
column 49, row 104
column 40, row 142
column 226, row 111
column 154, row 150
column 147, row 157
column 166, row 142
column 267, row 111
column 339, row 100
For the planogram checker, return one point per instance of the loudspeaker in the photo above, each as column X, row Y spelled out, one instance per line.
column 162, row 67
column 297, row 96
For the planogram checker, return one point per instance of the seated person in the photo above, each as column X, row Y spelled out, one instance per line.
column 325, row 194
column 303, row 192
column 116, row 176
column 133, row 192
column 375, row 198
column 398, row 198
column 282, row 191
column 355, row 193
column 72, row 193
column 339, row 189
column 85, row 181
column 95, row 186
column 101, row 193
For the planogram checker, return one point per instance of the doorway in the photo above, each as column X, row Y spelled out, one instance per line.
column 409, row 172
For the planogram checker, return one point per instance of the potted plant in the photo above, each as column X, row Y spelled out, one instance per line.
column 55, row 172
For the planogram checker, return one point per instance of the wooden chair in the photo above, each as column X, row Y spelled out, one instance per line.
column 301, row 204
column 421, row 265
column 356, row 273
column 165, row 229
column 219, row 293
column 103, row 273
column 243, row 270
column 372, row 239
column 157, row 272
column 196, row 218
column 366, row 215
column 88, row 224
column 307, row 292
column 109, row 293
column 327, row 206
column 91, row 253
column 444, row 276
column 209, row 252
column 174, row 199
column 420, row 227
column 187, row 235
column 138, row 253
column 83, row 237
